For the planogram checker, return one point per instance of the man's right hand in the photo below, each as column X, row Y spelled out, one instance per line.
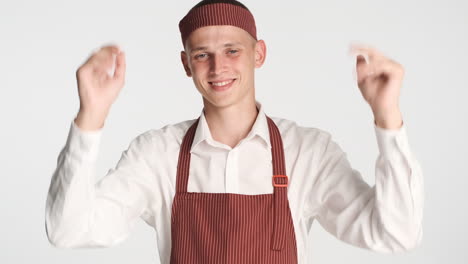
column 96, row 88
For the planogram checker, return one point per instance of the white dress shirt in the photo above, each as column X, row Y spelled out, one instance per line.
column 322, row 185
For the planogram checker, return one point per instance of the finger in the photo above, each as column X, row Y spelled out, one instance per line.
column 360, row 60
column 366, row 50
column 102, row 50
column 112, row 48
column 104, row 60
column 388, row 67
column 120, row 66
column 363, row 69
column 106, row 53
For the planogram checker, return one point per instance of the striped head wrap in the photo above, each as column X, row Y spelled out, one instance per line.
column 217, row 12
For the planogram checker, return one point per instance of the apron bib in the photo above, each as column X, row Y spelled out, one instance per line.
column 215, row 228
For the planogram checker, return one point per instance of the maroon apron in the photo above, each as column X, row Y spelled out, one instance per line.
column 215, row 228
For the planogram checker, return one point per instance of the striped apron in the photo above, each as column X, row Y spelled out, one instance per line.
column 215, row 228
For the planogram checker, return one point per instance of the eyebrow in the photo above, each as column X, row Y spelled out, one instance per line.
column 225, row 45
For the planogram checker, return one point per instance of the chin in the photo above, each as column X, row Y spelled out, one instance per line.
column 219, row 100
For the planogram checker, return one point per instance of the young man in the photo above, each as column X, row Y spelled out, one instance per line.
column 234, row 186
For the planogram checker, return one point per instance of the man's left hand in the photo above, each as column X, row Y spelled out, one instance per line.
column 380, row 80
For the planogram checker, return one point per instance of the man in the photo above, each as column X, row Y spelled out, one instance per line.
column 234, row 186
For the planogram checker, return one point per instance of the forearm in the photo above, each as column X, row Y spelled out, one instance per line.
column 399, row 201
column 70, row 196
column 81, row 212
column 399, row 191
column 384, row 218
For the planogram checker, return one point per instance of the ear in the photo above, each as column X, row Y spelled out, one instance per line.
column 260, row 53
column 184, row 59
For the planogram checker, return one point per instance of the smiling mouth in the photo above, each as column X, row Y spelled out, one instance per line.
column 222, row 83
column 221, row 86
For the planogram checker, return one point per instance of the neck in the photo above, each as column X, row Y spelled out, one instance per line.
column 231, row 124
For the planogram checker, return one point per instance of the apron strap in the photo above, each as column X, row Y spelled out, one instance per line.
column 280, row 183
column 183, row 165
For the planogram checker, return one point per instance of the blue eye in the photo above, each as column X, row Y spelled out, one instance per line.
column 233, row 51
column 200, row 55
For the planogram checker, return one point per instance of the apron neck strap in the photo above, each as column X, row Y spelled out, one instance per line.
column 277, row 153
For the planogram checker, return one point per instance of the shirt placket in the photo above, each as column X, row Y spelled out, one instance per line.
column 232, row 179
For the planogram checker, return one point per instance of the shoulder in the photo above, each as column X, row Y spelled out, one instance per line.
column 294, row 133
column 164, row 138
column 309, row 144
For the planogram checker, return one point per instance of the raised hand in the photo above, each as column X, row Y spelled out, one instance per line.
column 380, row 80
column 98, row 87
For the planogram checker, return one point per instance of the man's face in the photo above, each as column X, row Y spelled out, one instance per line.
column 221, row 61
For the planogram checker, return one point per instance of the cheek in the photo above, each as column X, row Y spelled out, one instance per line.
column 198, row 69
column 246, row 66
column 242, row 64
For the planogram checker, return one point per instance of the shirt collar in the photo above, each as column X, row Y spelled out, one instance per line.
column 259, row 128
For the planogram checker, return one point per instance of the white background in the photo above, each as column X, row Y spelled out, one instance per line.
column 307, row 78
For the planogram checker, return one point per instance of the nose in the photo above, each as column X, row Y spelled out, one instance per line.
column 217, row 64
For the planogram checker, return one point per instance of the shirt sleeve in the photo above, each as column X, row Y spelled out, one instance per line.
column 386, row 217
column 84, row 212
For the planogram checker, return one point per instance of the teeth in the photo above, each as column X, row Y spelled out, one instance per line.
column 221, row 83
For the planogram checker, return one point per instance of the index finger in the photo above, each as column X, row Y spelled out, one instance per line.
column 112, row 48
column 366, row 50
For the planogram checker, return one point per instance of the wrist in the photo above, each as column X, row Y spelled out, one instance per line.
column 389, row 120
column 392, row 120
column 90, row 121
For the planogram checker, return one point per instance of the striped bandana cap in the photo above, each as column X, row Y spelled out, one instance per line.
column 217, row 12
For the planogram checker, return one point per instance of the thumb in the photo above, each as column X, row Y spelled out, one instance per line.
column 360, row 60
column 363, row 69
column 120, row 67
